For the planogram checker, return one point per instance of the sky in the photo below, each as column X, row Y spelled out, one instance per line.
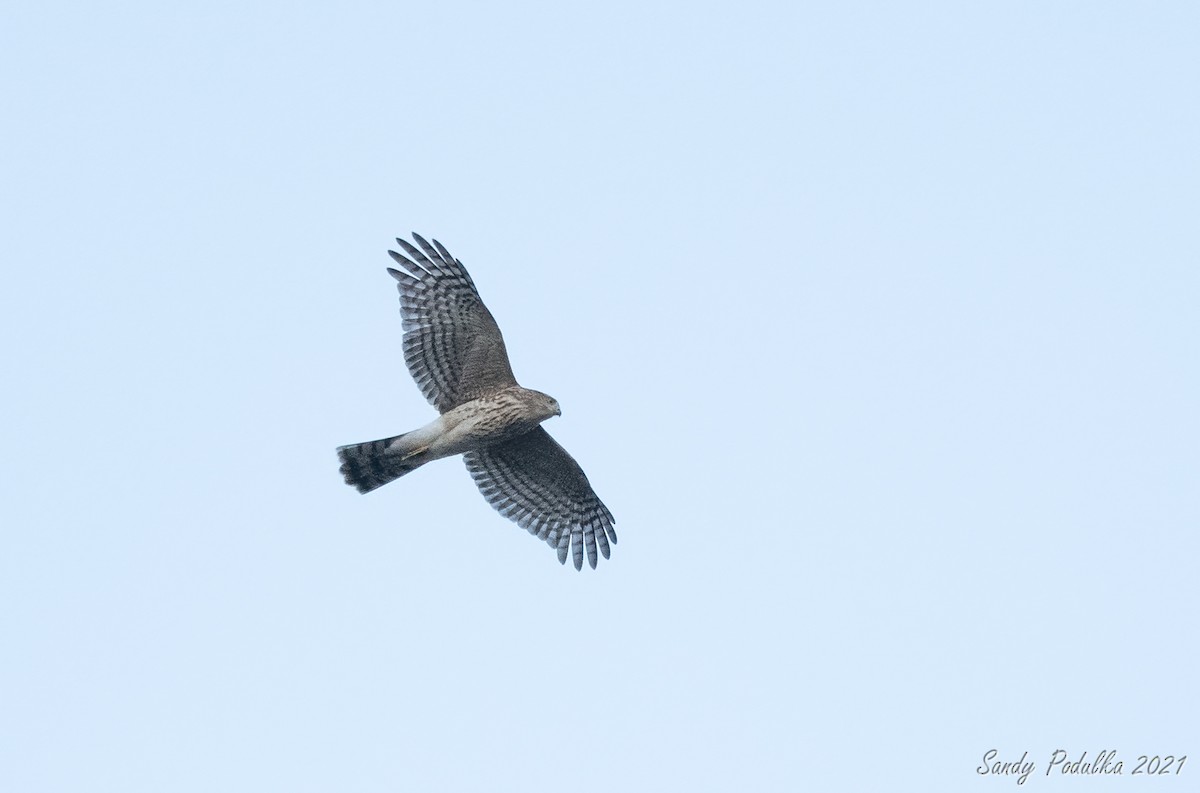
column 874, row 325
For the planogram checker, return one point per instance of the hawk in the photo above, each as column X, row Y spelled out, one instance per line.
column 454, row 350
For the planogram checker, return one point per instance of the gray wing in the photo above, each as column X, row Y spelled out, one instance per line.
column 452, row 345
column 533, row 481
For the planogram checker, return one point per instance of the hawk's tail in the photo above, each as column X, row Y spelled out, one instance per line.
column 369, row 465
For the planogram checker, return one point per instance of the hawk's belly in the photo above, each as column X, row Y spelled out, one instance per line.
column 474, row 425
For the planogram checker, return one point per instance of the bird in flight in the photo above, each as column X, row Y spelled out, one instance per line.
column 454, row 350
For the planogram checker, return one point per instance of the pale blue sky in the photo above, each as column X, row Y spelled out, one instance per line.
column 875, row 325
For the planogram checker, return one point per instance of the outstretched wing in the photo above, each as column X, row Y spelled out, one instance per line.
column 452, row 345
column 533, row 481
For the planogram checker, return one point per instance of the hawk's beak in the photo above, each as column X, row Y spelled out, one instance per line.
column 558, row 411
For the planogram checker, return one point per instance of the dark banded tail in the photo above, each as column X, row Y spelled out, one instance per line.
column 370, row 465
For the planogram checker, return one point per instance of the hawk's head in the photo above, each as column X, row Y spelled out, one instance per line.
column 544, row 405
